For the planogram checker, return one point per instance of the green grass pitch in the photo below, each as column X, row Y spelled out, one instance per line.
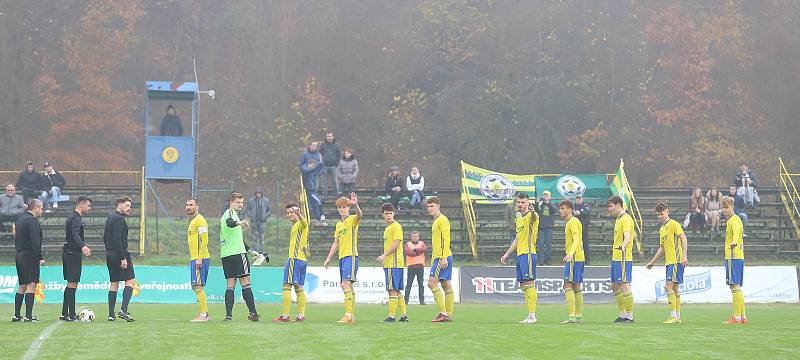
column 480, row 331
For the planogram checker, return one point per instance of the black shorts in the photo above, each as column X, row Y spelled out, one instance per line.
column 27, row 268
column 236, row 266
column 115, row 273
column 73, row 262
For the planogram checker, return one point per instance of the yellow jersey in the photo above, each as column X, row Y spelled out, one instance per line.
column 670, row 239
column 623, row 224
column 347, row 235
column 527, row 231
column 573, row 235
column 440, row 238
column 392, row 233
column 197, row 235
column 298, row 240
column 733, row 235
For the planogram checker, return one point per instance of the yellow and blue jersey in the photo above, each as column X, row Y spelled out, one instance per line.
column 440, row 238
column 527, row 231
column 298, row 240
column 670, row 239
column 347, row 235
column 392, row 233
column 623, row 224
column 734, row 230
column 573, row 237
column 197, row 236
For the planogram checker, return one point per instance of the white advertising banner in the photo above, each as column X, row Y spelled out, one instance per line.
column 322, row 286
column 762, row 284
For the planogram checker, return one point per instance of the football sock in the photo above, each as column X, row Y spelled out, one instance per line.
column 439, row 297
column 678, row 305
column 401, row 302
column 65, row 303
column 449, row 301
column 28, row 305
column 18, row 303
column 229, row 302
column 112, row 302
column 673, row 304
column 247, row 294
column 202, row 301
column 301, row 300
column 620, row 302
column 578, row 303
column 531, row 297
column 392, row 306
column 286, row 301
column 348, row 301
column 737, row 307
column 628, row 299
column 70, row 295
column 126, row 298
column 569, row 294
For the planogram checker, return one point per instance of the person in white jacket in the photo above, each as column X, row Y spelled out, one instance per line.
column 415, row 184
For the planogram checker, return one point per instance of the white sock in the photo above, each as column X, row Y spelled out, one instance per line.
column 673, row 314
column 677, row 315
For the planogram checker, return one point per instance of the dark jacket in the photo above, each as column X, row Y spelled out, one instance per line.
column 171, row 126
column 303, row 163
column 331, row 153
column 393, row 182
column 115, row 236
column 29, row 235
column 53, row 180
column 30, row 181
column 73, row 237
column 258, row 210
column 584, row 214
column 737, row 179
column 739, row 205
column 547, row 214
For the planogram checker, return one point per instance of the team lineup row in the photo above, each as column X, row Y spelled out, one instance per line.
column 236, row 262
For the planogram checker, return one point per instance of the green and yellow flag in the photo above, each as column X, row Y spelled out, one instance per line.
column 491, row 187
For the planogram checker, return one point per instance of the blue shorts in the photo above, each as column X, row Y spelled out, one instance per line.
column 348, row 268
column 734, row 272
column 438, row 272
column 675, row 273
column 573, row 271
column 199, row 277
column 294, row 272
column 394, row 278
column 526, row 267
column 621, row 271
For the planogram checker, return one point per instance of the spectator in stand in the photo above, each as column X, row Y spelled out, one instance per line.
column 415, row 185
column 30, row 182
column 746, row 185
column 331, row 156
column 739, row 205
column 53, row 185
column 415, row 261
column 311, row 175
column 712, row 208
column 171, row 123
column 394, row 186
column 257, row 210
column 348, row 171
column 584, row 215
column 11, row 207
column 697, row 210
column 511, row 214
column 547, row 213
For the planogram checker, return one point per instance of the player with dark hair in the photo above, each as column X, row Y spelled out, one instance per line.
column 345, row 239
column 393, row 263
column 294, row 272
column 673, row 247
column 734, row 260
column 28, row 243
column 622, row 259
column 197, row 237
column 441, row 262
column 72, row 254
column 233, row 251
column 574, row 261
column 118, row 259
column 527, row 226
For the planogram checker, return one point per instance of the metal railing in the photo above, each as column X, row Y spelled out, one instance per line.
column 789, row 195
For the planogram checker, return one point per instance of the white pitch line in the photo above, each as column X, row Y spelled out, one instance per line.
column 37, row 344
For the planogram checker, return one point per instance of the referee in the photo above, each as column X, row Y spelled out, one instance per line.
column 118, row 259
column 72, row 255
column 28, row 242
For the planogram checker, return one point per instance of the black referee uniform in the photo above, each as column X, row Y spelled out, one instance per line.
column 72, row 258
column 115, row 239
column 28, row 243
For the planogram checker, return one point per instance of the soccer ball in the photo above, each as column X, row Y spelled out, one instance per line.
column 86, row 315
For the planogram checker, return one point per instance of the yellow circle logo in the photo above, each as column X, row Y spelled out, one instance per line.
column 170, row 154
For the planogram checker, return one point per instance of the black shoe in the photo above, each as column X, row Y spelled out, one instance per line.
column 228, row 319
column 125, row 316
column 388, row 320
column 112, row 318
column 404, row 318
column 16, row 319
column 628, row 321
column 252, row 317
column 30, row 319
column 67, row 318
column 619, row 320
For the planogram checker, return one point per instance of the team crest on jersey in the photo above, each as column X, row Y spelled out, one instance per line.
column 496, row 188
column 570, row 186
